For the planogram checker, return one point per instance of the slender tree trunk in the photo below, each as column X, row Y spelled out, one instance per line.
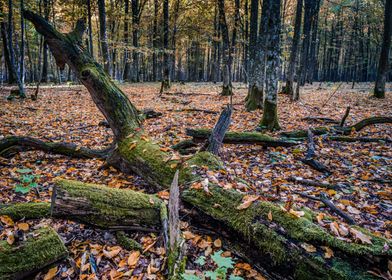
column 294, row 51
column 45, row 64
column 90, row 29
column 126, row 41
column 155, row 41
column 227, row 89
column 135, row 39
column 22, row 45
column 254, row 99
column 383, row 64
column 21, row 92
column 272, row 65
column 103, row 35
column 166, row 67
column 11, row 73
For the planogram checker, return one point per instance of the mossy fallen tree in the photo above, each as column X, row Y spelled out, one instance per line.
column 20, row 211
column 275, row 244
column 278, row 243
column 345, row 130
column 41, row 248
column 231, row 137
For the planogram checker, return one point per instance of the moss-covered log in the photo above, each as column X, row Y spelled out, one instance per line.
column 105, row 207
column 232, row 137
column 20, row 211
column 280, row 245
column 41, row 248
column 346, row 130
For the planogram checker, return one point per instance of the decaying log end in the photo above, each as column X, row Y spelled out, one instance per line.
column 18, row 211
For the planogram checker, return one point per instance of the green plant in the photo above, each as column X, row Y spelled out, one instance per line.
column 223, row 264
column 26, row 181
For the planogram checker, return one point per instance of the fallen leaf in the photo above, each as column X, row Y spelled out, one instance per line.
column 270, row 216
column 111, row 254
column 328, row 252
column 7, row 220
column 309, row 247
column 23, row 226
column 297, row 214
column 365, row 239
column 51, row 273
column 353, row 210
column 10, row 237
column 133, row 258
column 218, row 243
column 334, row 228
column 247, row 201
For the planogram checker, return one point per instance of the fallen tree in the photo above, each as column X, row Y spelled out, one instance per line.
column 231, row 137
column 277, row 244
column 342, row 130
column 41, row 248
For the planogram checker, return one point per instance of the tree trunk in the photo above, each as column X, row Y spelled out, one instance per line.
column 274, row 244
column 254, row 99
column 42, row 248
column 166, row 67
column 272, row 58
column 44, row 73
column 383, row 64
column 90, row 29
column 103, row 35
column 136, row 13
column 294, row 50
column 127, row 69
column 227, row 88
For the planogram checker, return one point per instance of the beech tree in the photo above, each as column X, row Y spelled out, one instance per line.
column 383, row 64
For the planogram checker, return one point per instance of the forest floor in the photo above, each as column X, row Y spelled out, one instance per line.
column 68, row 114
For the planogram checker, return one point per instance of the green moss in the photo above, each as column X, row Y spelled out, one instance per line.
column 41, row 248
column 304, row 133
column 276, row 238
column 226, row 90
column 176, row 263
column 19, row 211
column 254, row 99
column 270, row 116
column 147, row 159
column 127, row 242
column 109, row 206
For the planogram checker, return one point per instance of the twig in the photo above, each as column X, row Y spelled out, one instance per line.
column 345, row 116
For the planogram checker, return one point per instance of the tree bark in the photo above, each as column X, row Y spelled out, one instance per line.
column 103, row 35
column 166, row 67
column 272, row 57
column 294, row 51
column 383, row 64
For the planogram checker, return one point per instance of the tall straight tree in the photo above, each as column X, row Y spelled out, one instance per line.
column 21, row 92
column 103, row 35
column 45, row 62
column 382, row 73
column 90, row 29
column 22, row 44
column 155, row 41
column 137, row 9
column 166, row 66
column 126, row 41
column 294, row 51
column 272, row 64
column 254, row 99
column 227, row 88
column 7, row 58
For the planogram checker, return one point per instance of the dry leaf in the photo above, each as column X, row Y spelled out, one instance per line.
column 218, row 243
column 353, row 210
column 365, row 239
column 334, row 228
column 111, row 254
column 7, row 220
column 10, row 238
column 320, row 217
column 247, row 201
column 23, row 226
column 204, row 184
column 297, row 214
column 51, row 273
column 164, row 195
column 133, row 258
column 188, row 235
column 328, row 252
column 270, row 216
column 309, row 247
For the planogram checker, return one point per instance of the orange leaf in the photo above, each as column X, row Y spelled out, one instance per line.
column 133, row 258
